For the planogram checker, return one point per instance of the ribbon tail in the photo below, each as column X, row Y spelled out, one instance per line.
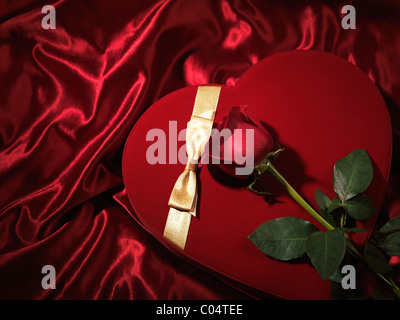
column 184, row 191
column 177, row 227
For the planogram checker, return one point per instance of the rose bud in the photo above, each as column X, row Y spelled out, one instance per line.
column 239, row 143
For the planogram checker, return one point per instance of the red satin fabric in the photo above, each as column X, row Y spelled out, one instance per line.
column 69, row 97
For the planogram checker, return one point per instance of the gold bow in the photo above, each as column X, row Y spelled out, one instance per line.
column 183, row 199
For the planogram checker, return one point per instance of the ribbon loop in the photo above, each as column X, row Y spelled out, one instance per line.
column 183, row 199
column 183, row 193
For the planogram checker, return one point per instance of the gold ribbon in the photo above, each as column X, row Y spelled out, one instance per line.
column 183, row 199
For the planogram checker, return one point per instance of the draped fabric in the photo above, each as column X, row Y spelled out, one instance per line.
column 69, row 97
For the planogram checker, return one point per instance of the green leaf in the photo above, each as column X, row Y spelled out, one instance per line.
column 336, row 276
column 391, row 225
column 360, row 207
column 326, row 250
column 352, row 174
column 375, row 259
column 337, row 212
column 322, row 200
column 335, row 203
column 283, row 238
column 328, row 217
column 323, row 203
column 391, row 242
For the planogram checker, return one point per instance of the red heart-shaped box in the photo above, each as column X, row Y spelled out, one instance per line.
column 319, row 108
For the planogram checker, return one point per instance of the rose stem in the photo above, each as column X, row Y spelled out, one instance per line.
column 293, row 193
column 299, row 199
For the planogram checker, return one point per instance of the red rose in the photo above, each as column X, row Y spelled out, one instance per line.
column 239, row 143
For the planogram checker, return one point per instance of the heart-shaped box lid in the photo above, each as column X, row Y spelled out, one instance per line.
column 319, row 108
